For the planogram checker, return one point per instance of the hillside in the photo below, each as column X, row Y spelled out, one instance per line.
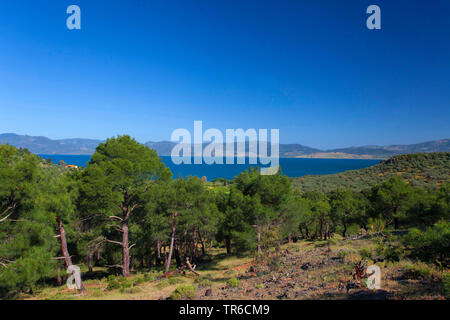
column 388, row 151
column 421, row 169
column 44, row 145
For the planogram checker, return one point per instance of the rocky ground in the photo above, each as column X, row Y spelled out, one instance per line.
column 319, row 272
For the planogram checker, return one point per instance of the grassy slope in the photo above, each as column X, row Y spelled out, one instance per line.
column 423, row 170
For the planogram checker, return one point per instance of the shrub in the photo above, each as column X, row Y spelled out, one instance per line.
column 446, row 284
column 113, row 283
column 418, row 270
column 342, row 254
column 233, row 283
column 274, row 263
column 431, row 245
column 203, row 282
column 391, row 250
column 365, row 253
column 259, row 286
column 184, row 291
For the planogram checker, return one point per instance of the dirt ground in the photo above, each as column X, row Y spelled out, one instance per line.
column 303, row 271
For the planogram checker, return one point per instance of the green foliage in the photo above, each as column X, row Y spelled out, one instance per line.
column 391, row 250
column 365, row 253
column 233, row 283
column 431, row 245
column 274, row 263
column 418, row 270
column 446, row 284
column 425, row 170
column 26, row 233
column 183, row 292
column 203, row 282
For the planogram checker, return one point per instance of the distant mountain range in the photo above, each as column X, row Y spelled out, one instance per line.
column 43, row 145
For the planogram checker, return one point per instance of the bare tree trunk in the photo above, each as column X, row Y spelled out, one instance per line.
column 321, row 230
column 259, row 241
column 158, row 252
column 165, row 255
column 344, row 231
column 63, row 240
column 396, row 222
column 228, row 245
column 58, row 276
column 203, row 246
column 125, row 249
column 65, row 251
column 172, row 240
column 212, row 240
column 195, row 244
column 177, row 255
column 90, row 258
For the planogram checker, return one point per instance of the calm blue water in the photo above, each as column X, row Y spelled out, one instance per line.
column 292, row 167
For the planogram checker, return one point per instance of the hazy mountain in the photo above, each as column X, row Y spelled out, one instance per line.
column 43, row 145
column 388, row 151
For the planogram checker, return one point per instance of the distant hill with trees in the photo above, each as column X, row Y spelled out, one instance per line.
column 421, row 170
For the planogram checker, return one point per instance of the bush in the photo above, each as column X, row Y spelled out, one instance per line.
column 365, row 253
column 203, row 282
column 418, row 270
column 391, row 251
column 184, row 291
column 431, row 245
column 233, row 283
column 274, row 263
column 113, row 283
column 446, row 284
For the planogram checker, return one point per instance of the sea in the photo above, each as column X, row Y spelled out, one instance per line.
column 292, row 167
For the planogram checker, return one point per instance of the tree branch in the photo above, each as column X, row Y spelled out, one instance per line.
column 116, row 217
column 6, row 210
column 116, row 242
column 59, row 258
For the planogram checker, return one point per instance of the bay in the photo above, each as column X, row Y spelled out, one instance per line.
column 292, row 167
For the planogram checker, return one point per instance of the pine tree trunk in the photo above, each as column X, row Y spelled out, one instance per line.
column 58, row 276
column 228, row 245
column 195, row 244
column 90, row 259
column 65, row 251
column 396, row 223
column 125, row 249
column 172, row 240
column 158, row 252
column 63, row 240
column 259, row 242
column 344, row 231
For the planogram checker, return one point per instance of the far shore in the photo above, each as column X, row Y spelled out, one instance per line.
column 331, row 155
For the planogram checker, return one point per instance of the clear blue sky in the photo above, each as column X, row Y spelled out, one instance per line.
column 308, row 67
